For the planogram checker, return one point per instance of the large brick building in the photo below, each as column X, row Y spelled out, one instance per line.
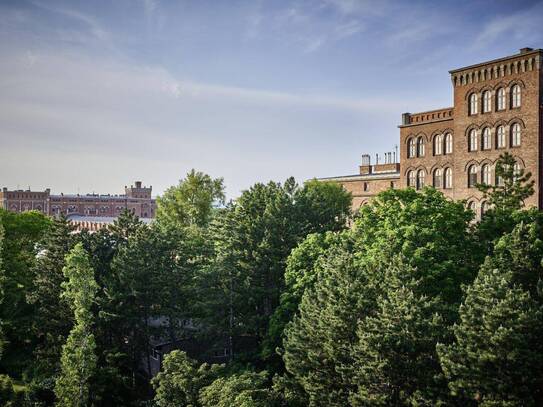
column 136, row 198
column 498, row 107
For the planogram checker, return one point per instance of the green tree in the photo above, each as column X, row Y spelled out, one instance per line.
column 245, row 389
column 22, row 233
column 191, row 201
column 181, row 379
column 395, row 356
column 53, row 321
column 78, row 361
column 497, row 356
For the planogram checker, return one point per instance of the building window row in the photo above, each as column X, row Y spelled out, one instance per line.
column 500, row 139
column 443, row 144
column 499, row 101
column 415, row 147
column 442, row 178
column 484, row 176
column 485, row 206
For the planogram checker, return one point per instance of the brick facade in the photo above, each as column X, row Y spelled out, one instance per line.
column 498, row 104
column 136, row 198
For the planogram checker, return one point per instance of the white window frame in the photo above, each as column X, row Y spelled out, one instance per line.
column 500, row 137
column 516, row 98
column 501, row 99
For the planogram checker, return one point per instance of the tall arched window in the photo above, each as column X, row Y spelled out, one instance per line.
column 485, row 174
column 485, row 206
column 500, row 99
column 500, row 137
column 412, row 179
column 438, row 178
column 515, row 96
column 420, row 146
column 472, row 176
column 447, row 179
column 438, row 144
column 412, row 148
column 473, row 104
column 516, row 171
column 472, row 206
column 448, row 143
column 487, row 101
column 472, row 140
column 421, row 175
column 515, row 135
column 486, row 142
column 499, row 180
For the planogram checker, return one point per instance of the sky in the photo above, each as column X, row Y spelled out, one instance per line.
column 97, row 94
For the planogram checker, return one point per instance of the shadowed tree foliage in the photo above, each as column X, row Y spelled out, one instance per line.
column 497, row 356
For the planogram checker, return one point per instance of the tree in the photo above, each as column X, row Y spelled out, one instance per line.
column 190, row 202
column 78, row 359
column 395, row 356
column 53, row 320
column 245, row 389
column 180, row 381
column 497, row 356
column 514, row 188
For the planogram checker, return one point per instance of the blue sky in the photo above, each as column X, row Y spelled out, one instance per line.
column 96, row 94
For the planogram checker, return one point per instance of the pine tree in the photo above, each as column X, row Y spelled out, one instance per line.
column 497, row 356
column 395, row 357
column 53, row 318
column 78, row 361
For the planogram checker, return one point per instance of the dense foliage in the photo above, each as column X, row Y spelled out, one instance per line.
column 278, row 298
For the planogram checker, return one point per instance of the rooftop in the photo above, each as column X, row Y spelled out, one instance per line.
column 523, row 51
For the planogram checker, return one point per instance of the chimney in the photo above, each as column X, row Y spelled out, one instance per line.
column 525, row 50
column 406, row 118
column 138, row 184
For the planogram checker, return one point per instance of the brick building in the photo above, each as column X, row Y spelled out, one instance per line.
column 498, row 107
column 136, row 198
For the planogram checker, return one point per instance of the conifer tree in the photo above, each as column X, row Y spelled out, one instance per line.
column 395, row 357
column 78, row 361
column 53, row 318
column 497, row 356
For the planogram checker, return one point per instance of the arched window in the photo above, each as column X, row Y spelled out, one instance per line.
column 516, row 171
column 420, row 147
column 412, row 148
column 448, row 143
column 486, row 143
column 472, row 140
column 472, row 206
column 500, row 137
column 485, row 206
column 485, row 174
column 500, row 99
column 487, row 101
column 472, row 176
column 438, row 178
column 438, row 144
column 412, row 179
column 515, row 96
column 515, row 135
column 447, row 179
column 499, row 180
column 421, row 175
column 473, row 104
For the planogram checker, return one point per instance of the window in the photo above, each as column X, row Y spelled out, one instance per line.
column 472, row 140
column 472, row 206
column 473, row 104
column 411, row 179
column 516, row 171
column 366, row 187
column 472, row 176
column 487, row 101
column 412, row 148
column 486, row 139
column 420, row 179
column 500, row 99
column 500, row 137
column 484, row 208
column 438, row 178
column 485, row 174
column 515, row 135
column 438, row 144
column 448, row 143
column 420, row 147
column 515, row 96
column 499, row 180
column 447, row 180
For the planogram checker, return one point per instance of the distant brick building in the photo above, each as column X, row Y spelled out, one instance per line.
column 498, row 107
column 136, row 198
